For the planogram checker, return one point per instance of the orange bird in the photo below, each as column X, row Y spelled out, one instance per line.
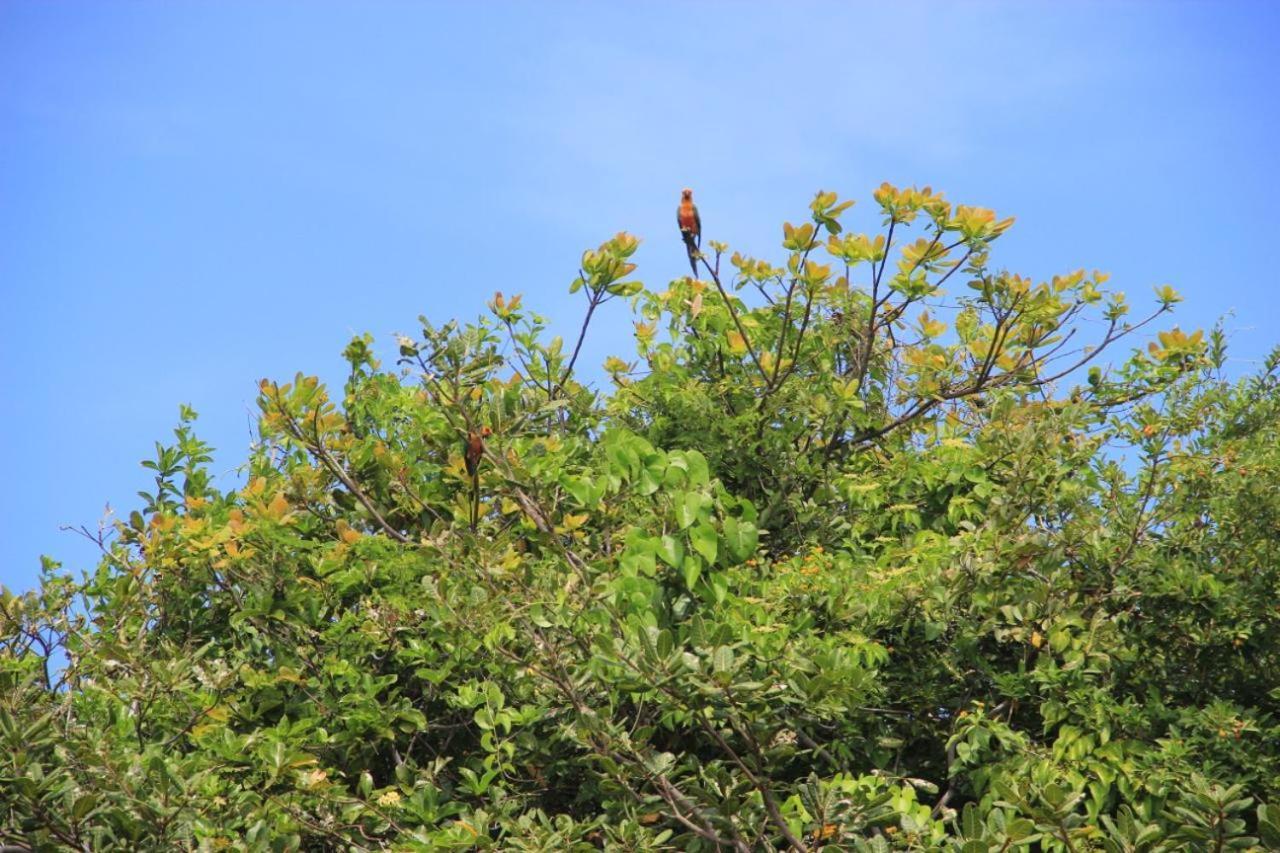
column 690, row 227
column 473, row 452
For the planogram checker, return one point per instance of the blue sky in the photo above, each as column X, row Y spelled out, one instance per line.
column 197, row 195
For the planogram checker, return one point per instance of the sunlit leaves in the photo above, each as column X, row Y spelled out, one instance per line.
column 797, row 238
column 604, row 270
column 1175, row 345
column 902, row 206
column 827, row 209
column 855, row 248
column 929, row 327
column 977, row 223
column 1167, row 296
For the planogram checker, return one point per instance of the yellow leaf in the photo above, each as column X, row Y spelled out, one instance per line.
column 313, row 778
column 510, row 559
column 737, row 343
column 278, row 508
column 571, row 522
column 1037, row 639
column 345, row 533
column 931, row 327
column 289, row 674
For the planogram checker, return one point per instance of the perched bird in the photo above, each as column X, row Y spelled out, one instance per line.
column 472, row 453
column 690, row 227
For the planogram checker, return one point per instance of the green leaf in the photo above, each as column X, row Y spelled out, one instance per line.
column 579, row 487
column 671, row 550
column 688, row 506
column 692, row 571
column 704, row 540
column 84, row 804
column 741, row 537
column 699, row 471
column 638, row 562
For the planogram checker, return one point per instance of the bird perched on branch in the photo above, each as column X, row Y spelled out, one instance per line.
column 690, row 227
column 473, row 452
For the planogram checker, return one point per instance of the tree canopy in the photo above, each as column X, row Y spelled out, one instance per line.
column 882, row 547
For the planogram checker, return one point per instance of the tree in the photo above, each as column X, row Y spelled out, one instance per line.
column 851, row 554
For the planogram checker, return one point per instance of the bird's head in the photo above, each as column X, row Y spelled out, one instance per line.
column 686, row 194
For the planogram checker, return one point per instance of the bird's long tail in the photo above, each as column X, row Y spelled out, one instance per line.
column 692, row 249
column 475, row 500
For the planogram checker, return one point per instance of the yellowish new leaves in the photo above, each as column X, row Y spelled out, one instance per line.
column 978, row 223
column 346, row 533
column 816, row 274
column 1167, row 295
column 614, row 366
column 645, row 331
column 826, row 212
column 1175, row 344
column 797, row 238
column 278, row 508
column 825, row 202
column 923, row 253
column 754, row 269
column 925, row 359
column 503, row 309
column 570, row 523
column 856, row 248
column 929, row 327
column 903, row 205
column 606, row 266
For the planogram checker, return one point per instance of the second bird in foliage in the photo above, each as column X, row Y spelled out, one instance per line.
column 473, row 452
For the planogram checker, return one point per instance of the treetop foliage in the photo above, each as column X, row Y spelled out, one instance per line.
column 867, row 547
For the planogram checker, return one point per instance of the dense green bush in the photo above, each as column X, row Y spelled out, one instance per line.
column 859, row 551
